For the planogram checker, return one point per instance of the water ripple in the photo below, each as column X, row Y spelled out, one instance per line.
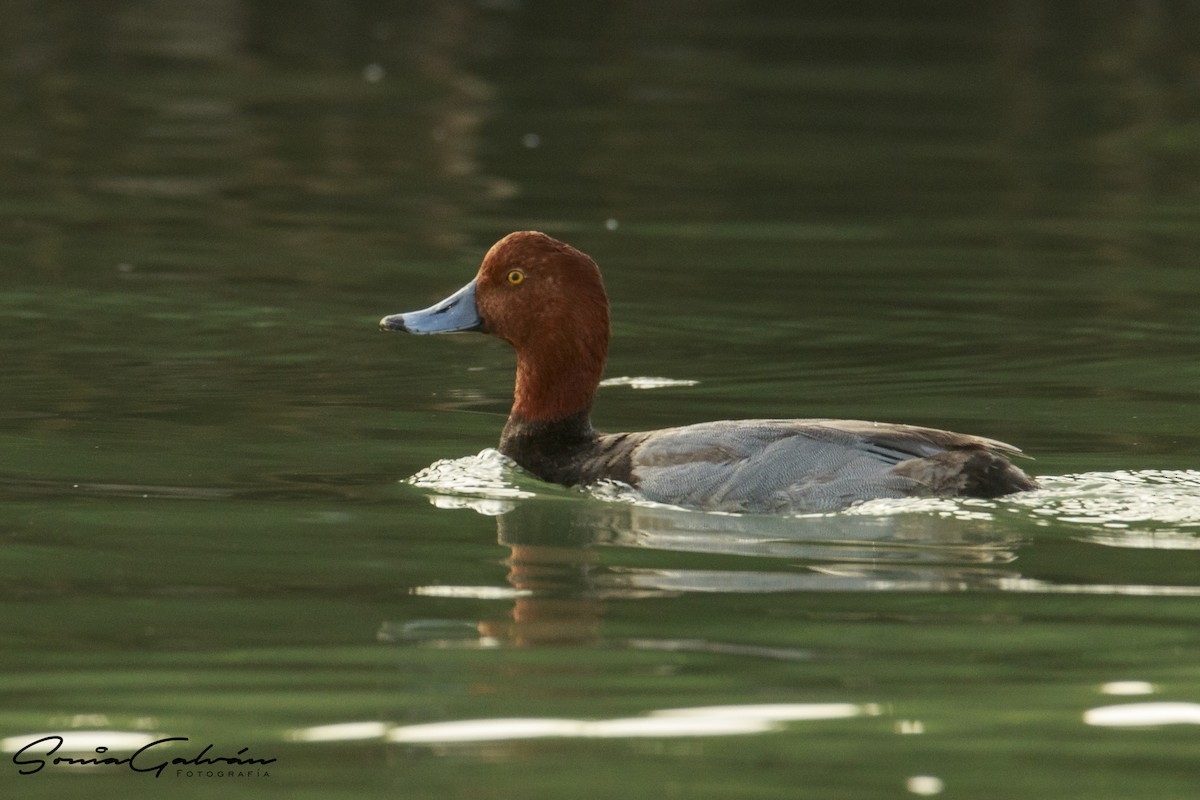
column 647, row 382
column 1138, row 509
column 481, row 482
column 1142, row 509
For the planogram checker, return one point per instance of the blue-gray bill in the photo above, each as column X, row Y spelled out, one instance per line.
column 456, row 313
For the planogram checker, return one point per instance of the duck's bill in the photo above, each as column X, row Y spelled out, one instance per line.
column 456, row 313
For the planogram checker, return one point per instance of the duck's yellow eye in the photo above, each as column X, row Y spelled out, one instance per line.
column 515, row 276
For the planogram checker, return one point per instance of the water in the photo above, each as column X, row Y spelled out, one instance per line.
column 232, row 511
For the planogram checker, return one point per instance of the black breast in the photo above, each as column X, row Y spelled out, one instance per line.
column 568, row 451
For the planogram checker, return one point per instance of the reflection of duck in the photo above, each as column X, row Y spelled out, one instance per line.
column 563, row 584
column 547, row 299
column 551, row 565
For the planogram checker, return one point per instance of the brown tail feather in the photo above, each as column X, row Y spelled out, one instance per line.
column 967, row 472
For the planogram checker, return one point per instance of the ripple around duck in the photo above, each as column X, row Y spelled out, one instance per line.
column 487, row 482
column 1137, row 509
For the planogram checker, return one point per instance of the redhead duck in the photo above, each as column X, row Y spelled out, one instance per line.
column 547, row 300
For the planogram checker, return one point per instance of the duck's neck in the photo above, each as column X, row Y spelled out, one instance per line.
column 554, row 391
column 552, row 400
column 558, row 378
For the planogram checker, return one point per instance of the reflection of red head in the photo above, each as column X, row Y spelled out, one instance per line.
column 541, row 617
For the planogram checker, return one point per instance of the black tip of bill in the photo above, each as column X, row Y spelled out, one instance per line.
column 456, row 313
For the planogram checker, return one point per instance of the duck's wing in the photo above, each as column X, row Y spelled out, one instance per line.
column 816, row 465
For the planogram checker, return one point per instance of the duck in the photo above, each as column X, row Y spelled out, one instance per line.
column 548, row 301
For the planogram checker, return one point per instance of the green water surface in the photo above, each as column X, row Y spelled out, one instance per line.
column 982, row 217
